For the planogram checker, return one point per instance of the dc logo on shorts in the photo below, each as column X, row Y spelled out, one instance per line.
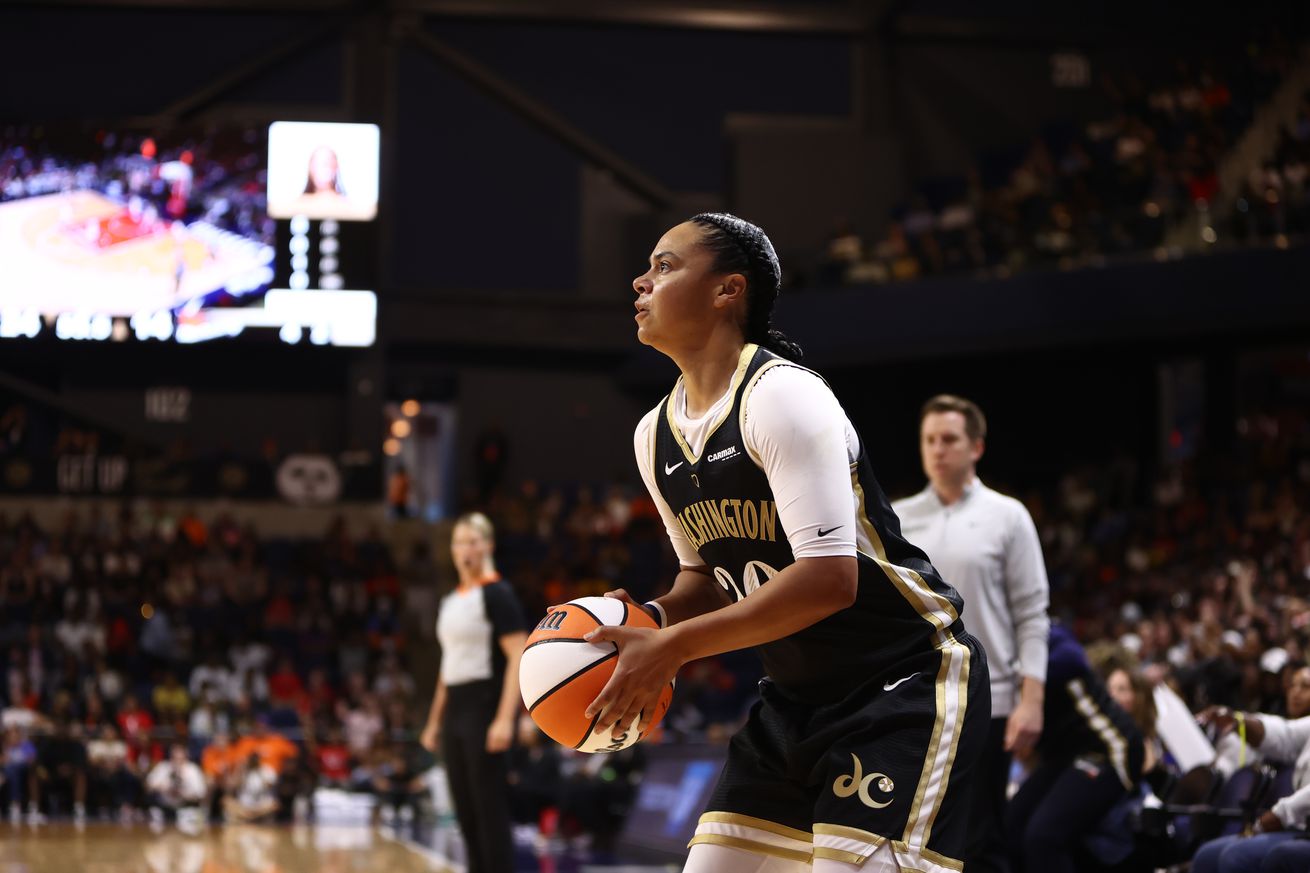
column 858, row 783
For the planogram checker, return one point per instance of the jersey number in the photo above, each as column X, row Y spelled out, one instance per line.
column 753, row 575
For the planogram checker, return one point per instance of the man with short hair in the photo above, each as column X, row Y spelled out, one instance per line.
column 985, row 545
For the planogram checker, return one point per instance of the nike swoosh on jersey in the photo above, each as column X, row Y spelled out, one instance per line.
column 891, row 686
column 824, row 533
column 668, row 470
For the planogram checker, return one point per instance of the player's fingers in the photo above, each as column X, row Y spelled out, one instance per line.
column 620, row 594
column 622, row 720
column 617, row 710
column 605, row 698
column 647, row 714
column 607, row 633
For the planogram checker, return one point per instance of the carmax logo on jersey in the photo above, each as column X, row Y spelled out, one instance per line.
column 729, row 452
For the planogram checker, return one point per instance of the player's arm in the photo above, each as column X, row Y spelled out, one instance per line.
column 804, row 593
column 695, row 592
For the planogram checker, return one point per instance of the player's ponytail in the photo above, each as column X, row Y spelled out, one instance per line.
column 742, row 247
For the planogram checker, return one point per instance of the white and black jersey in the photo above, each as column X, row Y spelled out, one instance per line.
column 760, row 491
column 469, row 627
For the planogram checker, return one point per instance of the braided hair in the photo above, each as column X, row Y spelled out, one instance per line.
column 741, row 247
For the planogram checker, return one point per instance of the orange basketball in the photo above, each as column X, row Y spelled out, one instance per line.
column 561, row 673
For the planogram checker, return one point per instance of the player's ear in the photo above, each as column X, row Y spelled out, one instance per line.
column 731, row 291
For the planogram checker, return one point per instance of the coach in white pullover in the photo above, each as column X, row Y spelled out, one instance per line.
column 985, row 545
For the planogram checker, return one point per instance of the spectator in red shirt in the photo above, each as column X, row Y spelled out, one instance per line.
column 332, row 760
column 284, row 687
column 137, row 726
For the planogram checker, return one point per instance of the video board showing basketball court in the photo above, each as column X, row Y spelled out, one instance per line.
column 190, row 234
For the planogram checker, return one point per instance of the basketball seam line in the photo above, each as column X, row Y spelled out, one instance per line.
column 544, row 697
column 591, row 727
column 593, row 615
column 557, row 640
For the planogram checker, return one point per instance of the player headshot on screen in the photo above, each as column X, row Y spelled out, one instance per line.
column 324, row 174
column 874, row 708
column 324, row 196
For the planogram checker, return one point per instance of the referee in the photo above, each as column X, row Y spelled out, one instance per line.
column 985, row 545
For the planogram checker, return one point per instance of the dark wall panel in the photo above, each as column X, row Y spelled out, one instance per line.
column 91, row 63
column 483, row 200
column 659, row 97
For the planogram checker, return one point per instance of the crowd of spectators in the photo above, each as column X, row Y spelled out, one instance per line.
column 1079, row 194
column 1205, row 581
column 155, row 663
column 1275, row 201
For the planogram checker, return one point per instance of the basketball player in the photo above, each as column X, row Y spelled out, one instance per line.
column 475, row 709
column 875, row 704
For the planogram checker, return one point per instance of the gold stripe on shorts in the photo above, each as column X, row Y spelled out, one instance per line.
column 736, row 818
column 750, row 846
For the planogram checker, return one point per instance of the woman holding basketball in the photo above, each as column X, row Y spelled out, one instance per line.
column 875, row 703
column 476, row 706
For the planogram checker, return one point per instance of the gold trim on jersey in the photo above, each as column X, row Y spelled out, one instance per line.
column 763, row 824
column 932, row 607
column 743, row 361
column 751, row 846
column 941, row 860
column 960, row 707
column 934, row 746
column 843, row 832
column 849, row 833
column 746, row 393
column 1115, row 742
column 828, row 853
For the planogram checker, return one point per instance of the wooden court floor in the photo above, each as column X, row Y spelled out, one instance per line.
column 112, row 848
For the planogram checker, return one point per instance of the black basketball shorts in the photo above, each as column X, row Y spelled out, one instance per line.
column 890, row 762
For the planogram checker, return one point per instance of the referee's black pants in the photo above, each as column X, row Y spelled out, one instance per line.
column 479, row 783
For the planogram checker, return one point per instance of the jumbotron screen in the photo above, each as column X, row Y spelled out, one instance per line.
column 116, row 235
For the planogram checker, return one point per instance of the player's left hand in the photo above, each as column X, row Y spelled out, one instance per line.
column 1023, row 728
column 646, row 665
